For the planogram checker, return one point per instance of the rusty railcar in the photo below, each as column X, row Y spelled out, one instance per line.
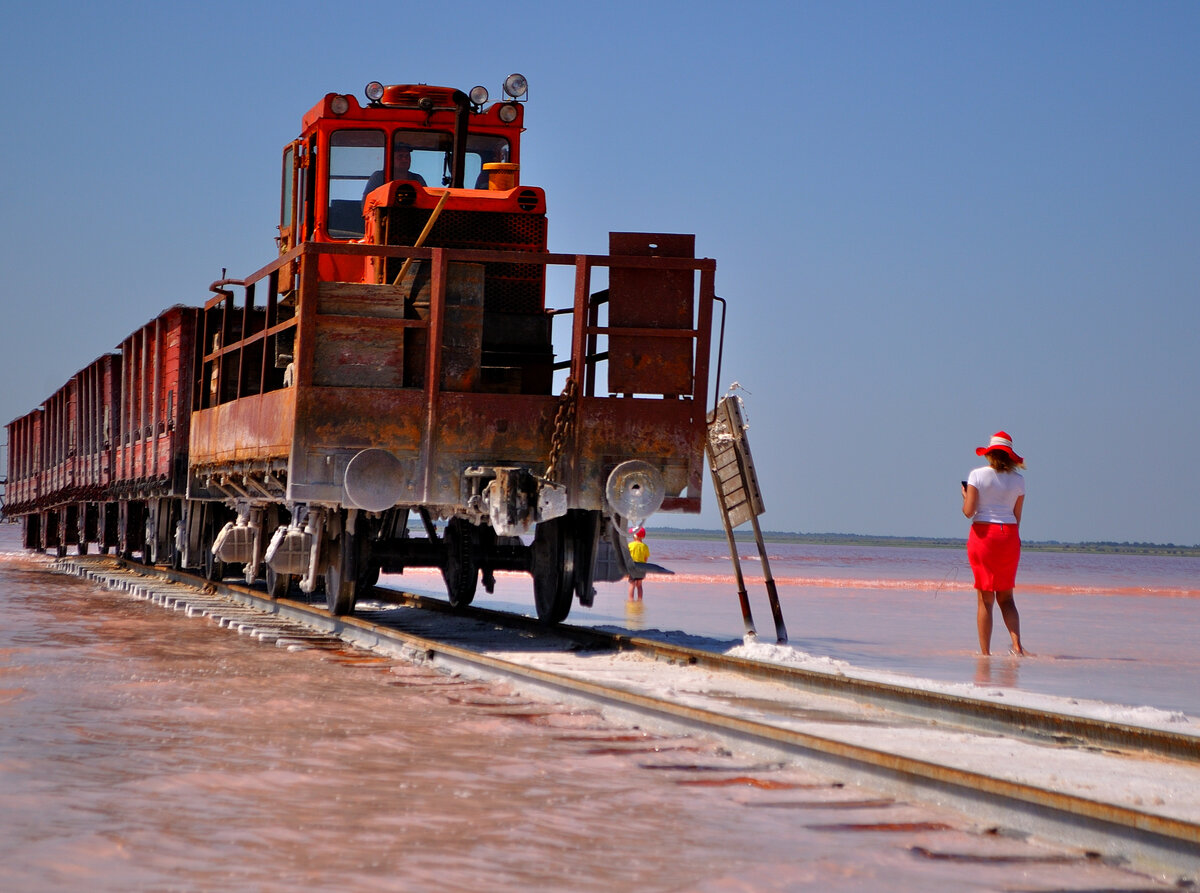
column 413, row 381
column 22, row 487
column 99, row 400
column 104, row 461
column 60, row 461
column 60, row 443
column 148, row 425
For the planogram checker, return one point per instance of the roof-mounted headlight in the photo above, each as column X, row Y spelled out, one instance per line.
column 339, row 105
column 374, row 91
column 516, row 86
column 479, row 95
column 508, row 113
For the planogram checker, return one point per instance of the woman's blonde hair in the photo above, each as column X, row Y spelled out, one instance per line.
column 1001, row 461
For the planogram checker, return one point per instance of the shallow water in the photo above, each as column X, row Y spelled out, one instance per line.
column 144, row 750
column 1117, row 628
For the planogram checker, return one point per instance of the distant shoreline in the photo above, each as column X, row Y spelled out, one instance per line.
column 925, row 542
column 853, row 539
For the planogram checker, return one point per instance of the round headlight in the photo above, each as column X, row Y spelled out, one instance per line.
column 339, row 105
column 508, row 113
column 479, row 95
column 516, row 86
column 374, row 91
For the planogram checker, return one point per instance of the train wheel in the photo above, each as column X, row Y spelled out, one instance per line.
column 461, row 567
column 278, row 585
column 553, row 570
column 341, row 575
column 214, row 567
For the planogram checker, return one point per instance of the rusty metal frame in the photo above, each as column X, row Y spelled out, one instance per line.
column 585, row 330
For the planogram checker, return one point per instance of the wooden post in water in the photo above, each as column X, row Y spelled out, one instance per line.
column 736, row 485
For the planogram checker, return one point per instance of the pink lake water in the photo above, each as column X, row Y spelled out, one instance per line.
column 143, row 750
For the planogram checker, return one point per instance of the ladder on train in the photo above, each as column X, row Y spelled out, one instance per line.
column 740, row 500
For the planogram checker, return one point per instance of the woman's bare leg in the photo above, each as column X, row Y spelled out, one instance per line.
column 1012, row 620
column 983, row 618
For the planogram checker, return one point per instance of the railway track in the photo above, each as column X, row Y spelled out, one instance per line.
column 1125, row 792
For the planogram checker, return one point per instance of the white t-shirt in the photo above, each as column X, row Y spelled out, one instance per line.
column 998, row 493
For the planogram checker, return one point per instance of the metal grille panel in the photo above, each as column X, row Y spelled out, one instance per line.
column 508, row 288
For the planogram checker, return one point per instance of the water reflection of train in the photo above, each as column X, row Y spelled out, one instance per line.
column 385, row 393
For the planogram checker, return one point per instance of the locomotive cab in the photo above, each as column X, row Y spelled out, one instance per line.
column 434, row 167
column 454, row 140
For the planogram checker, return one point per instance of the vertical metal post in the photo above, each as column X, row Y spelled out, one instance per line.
column 440, row 266
column 772, row 592
column 743, row 596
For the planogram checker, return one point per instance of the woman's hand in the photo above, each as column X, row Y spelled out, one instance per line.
column 970, row 500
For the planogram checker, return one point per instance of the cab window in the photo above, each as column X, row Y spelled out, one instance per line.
column 483, row 150
column 354, row 155
column 430, row 155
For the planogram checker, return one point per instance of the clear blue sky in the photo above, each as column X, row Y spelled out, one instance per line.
column 931, row 219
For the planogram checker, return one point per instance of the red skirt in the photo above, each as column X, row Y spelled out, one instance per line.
column 994, row 551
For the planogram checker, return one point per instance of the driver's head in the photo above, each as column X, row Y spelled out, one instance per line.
column 401, row 156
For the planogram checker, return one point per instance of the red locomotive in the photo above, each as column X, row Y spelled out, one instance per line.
column 395, row 363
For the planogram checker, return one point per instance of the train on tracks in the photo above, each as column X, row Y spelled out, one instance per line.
column 393, row 389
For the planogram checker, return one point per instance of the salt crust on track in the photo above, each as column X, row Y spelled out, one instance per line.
column 1145, row 783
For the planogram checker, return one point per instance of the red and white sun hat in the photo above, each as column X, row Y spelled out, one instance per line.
column 1000, row 441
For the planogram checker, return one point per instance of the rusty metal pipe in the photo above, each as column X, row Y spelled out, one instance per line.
column 720, row 352
column 216, row 287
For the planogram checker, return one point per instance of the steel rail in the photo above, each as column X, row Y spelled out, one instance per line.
column 1152, row 841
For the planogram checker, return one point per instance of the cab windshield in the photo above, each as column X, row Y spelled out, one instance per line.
column 359, row 163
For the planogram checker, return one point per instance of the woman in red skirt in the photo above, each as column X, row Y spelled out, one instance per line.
column 993, row 497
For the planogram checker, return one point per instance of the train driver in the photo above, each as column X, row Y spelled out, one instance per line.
column 401, row 164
